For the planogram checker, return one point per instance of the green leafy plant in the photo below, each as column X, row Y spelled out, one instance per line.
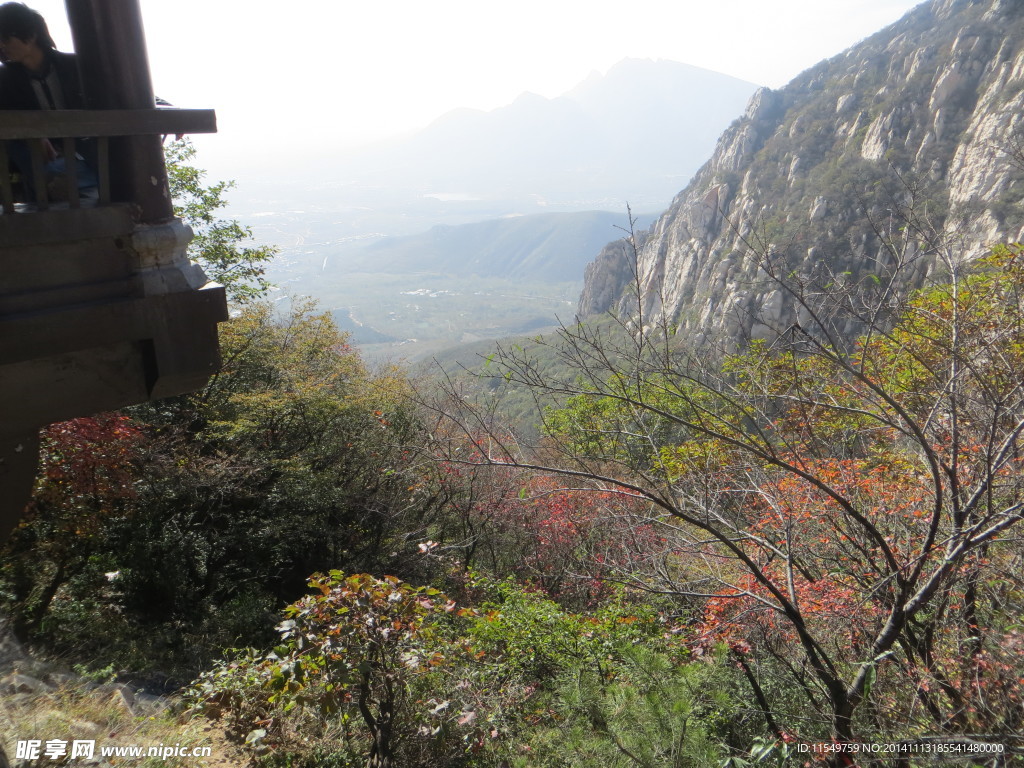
column 351, row 656
column 219, row 245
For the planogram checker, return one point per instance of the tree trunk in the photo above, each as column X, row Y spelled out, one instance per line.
column 24, row 624
column 380, row 728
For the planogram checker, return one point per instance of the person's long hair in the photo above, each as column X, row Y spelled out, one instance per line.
column 20, row 21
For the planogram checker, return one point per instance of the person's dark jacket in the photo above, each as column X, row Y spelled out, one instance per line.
column 17, row 92
column 59, row 88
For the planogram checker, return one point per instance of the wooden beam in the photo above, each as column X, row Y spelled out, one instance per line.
column 110, row 45
column 6, row 191
column 71, row 172
column 19, row 460
column 103, row 171
column 53, row 228
column 38, row 157
column 33, row 124
column 62, row 331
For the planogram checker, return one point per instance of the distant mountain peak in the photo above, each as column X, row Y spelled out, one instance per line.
column 628, row 134
column 529, row 97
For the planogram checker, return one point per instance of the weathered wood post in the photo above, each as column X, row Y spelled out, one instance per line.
column 110, row 43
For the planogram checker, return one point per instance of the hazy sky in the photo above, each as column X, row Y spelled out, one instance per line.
column 340, row 72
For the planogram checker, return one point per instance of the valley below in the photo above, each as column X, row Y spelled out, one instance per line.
column 410, row 295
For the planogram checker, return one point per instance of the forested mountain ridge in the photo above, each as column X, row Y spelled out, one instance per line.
column 916, row 128
column 541, row 246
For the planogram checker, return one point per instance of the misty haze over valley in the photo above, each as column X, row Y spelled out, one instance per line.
column 632, row 136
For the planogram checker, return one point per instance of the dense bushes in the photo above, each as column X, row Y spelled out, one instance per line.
column 833, row 506
column 700, row 563
column 377, row 672
column 704, row 560
column 160, row 536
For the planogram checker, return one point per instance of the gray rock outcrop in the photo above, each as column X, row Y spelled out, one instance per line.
column 920, row 123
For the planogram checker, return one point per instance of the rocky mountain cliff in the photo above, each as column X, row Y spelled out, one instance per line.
column 920, row 127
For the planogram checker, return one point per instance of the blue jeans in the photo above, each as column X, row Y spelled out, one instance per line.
column 21, row 158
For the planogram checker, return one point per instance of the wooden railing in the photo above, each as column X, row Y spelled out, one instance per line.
column 65, row 128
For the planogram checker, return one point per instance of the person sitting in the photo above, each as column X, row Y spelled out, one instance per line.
column 36, row 76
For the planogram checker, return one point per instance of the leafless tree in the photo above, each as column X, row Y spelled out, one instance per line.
column 836, row 502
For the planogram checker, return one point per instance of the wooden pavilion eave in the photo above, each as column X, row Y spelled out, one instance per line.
column 100, row 306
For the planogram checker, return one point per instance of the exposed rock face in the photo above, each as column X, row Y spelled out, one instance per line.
column 607, row 276
column 920, row 119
